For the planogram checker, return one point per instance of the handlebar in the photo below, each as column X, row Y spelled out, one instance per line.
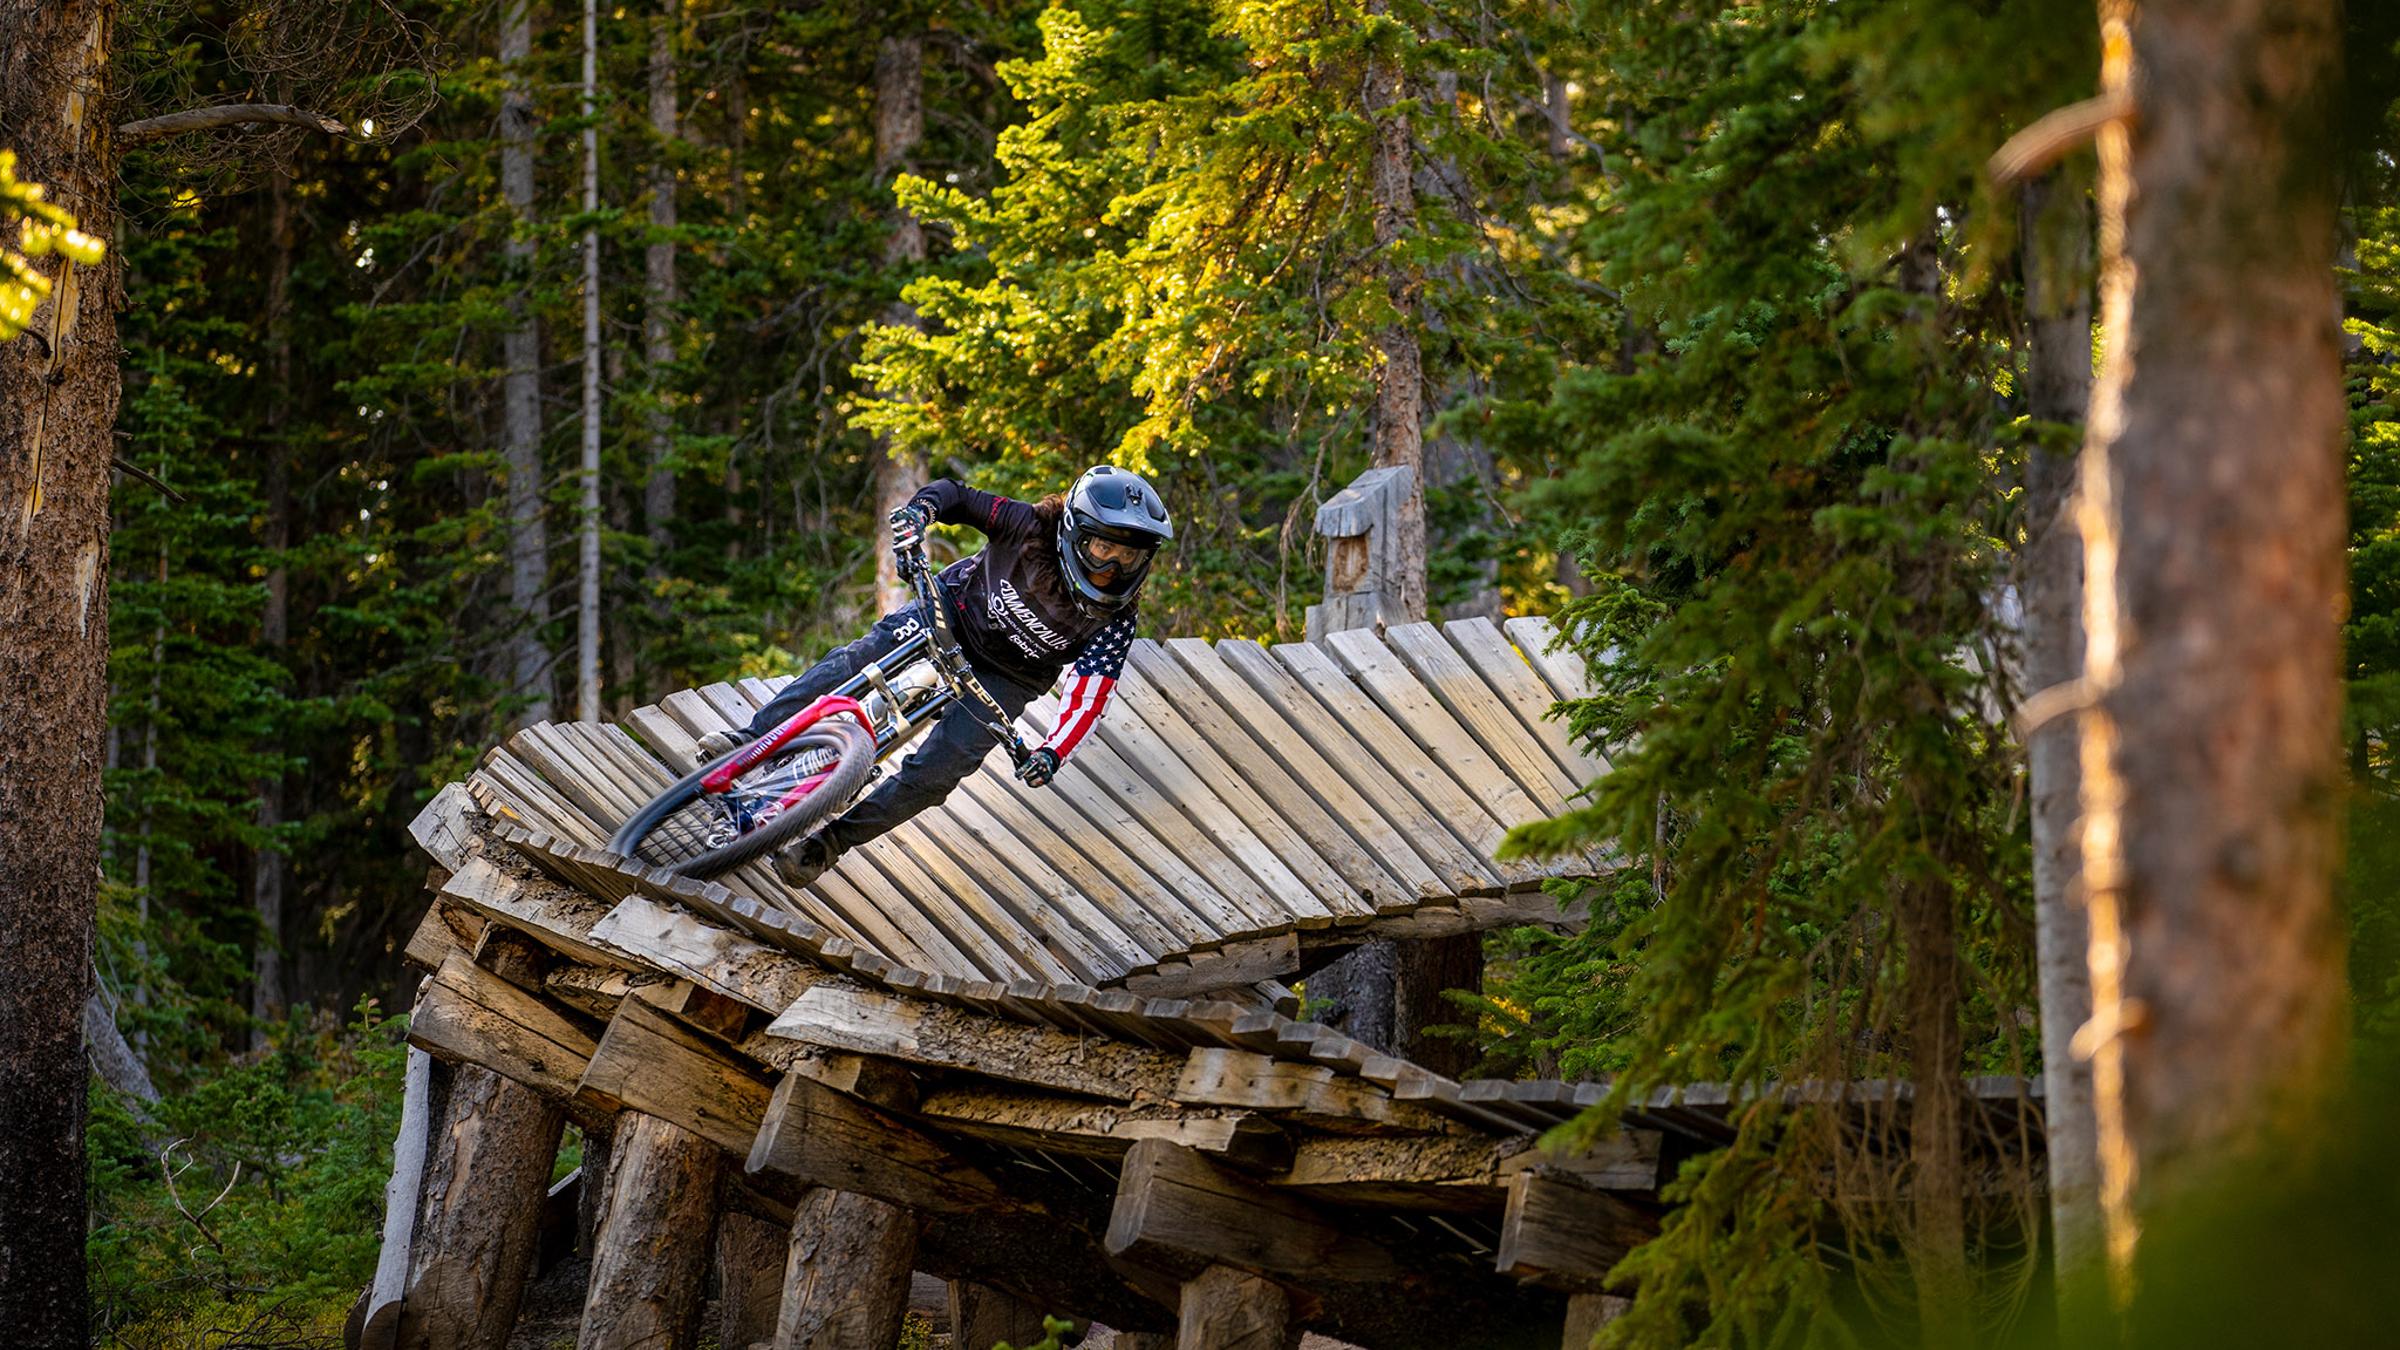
column 950, row 660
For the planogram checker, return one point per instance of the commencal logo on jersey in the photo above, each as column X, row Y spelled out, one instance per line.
column 1005, row 603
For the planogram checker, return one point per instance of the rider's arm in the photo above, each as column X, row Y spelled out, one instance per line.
column 1089, row 684
column 954, row 503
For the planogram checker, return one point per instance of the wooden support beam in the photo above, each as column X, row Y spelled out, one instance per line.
column 652, row 1251
column 445, row 829
column 981, row 1316
column 1218, row 1076
column 842, row 1015
column 1079, row 1125
column 1623, row 1160
column 650, row 1063
column 467, row 1013
column 1442, row 1173
column 711, row 956
column 556, row 916
column 1228, row 1309
column 443, row 930
column 595, row 991
column 825, row 1138
column 1565, row 1235
column 1230, row 966
column 1178, row 1212
column 846, row 1276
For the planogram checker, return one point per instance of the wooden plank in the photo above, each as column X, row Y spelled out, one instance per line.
column 1178, row 1212
column 1526, row 693
column 1484, row 712
column 1443, row 1173
column 666, row 738
column 1564, row 1235
column 1193, row 888
column 1227, row 1077
column 555, row 916
column 996, row 899
column 1331, row 695
column 1079, row 1125
column 1355, row 786
column 826, row 1139
column 1116, row 947
column 563, row 764
column 1161, row 766
column 1209, row 874
column 930, row 917
column 446, row 827
column 1095, row 863
column 1226, row 1309
column 526, row 798
column 1561, row 666
column 468, row 1014
column 1230, row 966
column 844, row 1016
column 1621, row 1160
column 647, row 1062
column 594, row 991
column 696, row 714
column 1478, row 767
column 381, row 1323
column 1351, row 833
column 443, row 930
column 1247, row 777
column 1232, row 770
column 646, row 930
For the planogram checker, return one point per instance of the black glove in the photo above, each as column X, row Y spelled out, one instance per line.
column 1038, row 768
column 908, row 527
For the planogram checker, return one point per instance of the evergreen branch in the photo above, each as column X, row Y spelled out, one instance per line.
column 223, row 115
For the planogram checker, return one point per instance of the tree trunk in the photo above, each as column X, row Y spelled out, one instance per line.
column 1355, row 994
column 267, row 996
column 58, row 407
column 1936, row 1191
column 658, row 275
column 587, row 519
column 899, row 128
column 1400, row 379
column 750, row 1257
column 654, row 1244
column 521, row 395
column 2211, row 508
column 1428, row 967
column 847, row 1281
column 2057, row 265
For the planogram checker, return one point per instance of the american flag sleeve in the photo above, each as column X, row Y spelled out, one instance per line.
column 1089, row 683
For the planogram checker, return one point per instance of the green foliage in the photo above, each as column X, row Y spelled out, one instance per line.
column 1052, row 1328
column 42, row 228
column 254, row 1194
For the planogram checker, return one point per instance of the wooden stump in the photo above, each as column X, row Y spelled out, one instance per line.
column 846, row 1282
column 1225, row 1309
column 479, row 1219
column 981, row 1317
column 1586, row 1314
column 750, row 1257
column 653, row 1243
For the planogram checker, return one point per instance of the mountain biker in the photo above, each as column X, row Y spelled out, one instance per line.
column 1056, row 582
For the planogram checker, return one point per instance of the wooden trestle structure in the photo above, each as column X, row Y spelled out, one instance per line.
column 1033, row 1045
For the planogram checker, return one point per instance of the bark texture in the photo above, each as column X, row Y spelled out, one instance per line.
column 1227, row 1309
column 1936, row 1168
column 1426, row 969
column 1400, row 377
column 981, row 1317
column 521, row 387
column 2057, row 264
column 899, row 129
column 658, row 284
column 2211, row 509
column 846, row 1283
column 750, row 1255
column 652, row 1254
column 479, row 1221
column 58, row 405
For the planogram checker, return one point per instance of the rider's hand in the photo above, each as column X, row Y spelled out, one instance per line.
column 1038, row 767
column 908, row 527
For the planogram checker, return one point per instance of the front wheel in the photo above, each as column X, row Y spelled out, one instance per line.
column 693, row 832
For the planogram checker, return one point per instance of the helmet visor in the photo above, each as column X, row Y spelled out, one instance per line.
column 1112, row 563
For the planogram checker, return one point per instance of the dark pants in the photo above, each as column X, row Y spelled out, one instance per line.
column 937, row 761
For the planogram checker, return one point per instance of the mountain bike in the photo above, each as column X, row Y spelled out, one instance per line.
column 757, row 798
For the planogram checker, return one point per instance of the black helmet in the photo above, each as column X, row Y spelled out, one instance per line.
column 1110, row 503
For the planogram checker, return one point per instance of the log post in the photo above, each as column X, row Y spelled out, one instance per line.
column 846, row 1280
column 1227, row 1309
column 479, row 1219
column 750, row 1258
column 1363, row 563
column 981, row 1317
column 1587, row 1314
column 654, row 1238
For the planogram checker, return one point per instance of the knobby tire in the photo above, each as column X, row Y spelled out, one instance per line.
column 855, row 752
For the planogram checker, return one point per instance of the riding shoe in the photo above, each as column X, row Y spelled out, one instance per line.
column 715, row 743
column 804, row 862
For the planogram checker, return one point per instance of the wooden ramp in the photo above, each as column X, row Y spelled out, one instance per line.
column 1237, row 805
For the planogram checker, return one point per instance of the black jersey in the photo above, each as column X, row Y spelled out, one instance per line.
column 1014, row 610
